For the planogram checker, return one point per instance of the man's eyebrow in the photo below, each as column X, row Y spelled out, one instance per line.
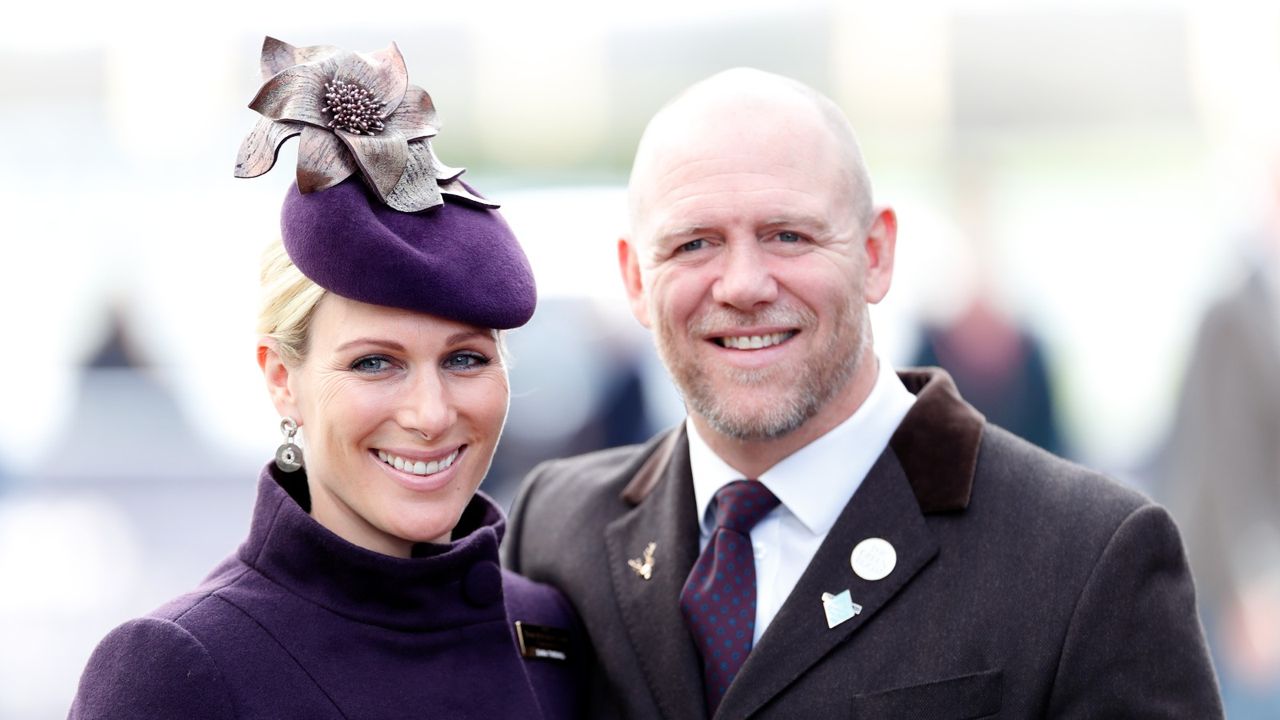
column 816, row 223
column 683, row 231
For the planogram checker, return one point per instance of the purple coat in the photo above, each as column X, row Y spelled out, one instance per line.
column 299, row 623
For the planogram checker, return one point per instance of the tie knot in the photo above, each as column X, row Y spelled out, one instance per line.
column 742, row 503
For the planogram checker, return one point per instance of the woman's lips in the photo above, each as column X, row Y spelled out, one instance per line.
column 419, row 467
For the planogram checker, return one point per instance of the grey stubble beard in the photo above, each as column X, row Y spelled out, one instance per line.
column 817, row 381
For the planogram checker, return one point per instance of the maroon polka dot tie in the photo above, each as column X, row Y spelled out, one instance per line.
column 719, row 597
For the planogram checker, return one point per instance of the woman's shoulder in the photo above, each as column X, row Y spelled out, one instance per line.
column 164, row 659
column 151, row 667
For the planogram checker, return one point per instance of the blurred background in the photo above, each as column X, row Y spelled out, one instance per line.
column 1087, row 191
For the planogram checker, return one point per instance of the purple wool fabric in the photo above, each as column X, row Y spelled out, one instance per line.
column 719, row 597
column 299, row 624
column 456, row 260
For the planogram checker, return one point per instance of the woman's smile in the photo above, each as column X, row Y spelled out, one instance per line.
column 421, row 476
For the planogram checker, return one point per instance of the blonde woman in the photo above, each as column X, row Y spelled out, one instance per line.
column 369, row 584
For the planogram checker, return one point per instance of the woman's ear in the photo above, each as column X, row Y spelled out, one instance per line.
column 277, row 373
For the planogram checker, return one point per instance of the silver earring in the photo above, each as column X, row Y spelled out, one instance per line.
column 288, row 455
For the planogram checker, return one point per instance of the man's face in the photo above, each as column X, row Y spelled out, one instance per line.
column 749, row 263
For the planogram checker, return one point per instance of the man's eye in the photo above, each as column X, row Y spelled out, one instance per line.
column 371, row 364
column 692, row 245
column 787, row 236
column 466, row 360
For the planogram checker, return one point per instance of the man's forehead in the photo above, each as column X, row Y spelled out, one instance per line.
column 784, row 170
column 727, row 120
column 738, row 123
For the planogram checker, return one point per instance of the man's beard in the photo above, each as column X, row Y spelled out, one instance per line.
column 814, row 381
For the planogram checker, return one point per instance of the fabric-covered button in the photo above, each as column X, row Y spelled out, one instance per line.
column 483, row 584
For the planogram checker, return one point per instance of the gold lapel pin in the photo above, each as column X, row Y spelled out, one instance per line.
column 644, row 568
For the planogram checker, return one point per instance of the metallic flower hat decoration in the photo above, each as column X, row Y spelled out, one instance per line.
column 353, row 111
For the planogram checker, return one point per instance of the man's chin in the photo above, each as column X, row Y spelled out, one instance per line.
column 753, row 420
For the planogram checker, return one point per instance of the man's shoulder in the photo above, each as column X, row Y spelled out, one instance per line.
column 1021, row 479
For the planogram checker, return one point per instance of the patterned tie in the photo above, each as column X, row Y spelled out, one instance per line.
column 719, row 597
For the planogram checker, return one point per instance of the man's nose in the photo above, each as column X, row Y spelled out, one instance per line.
column 428, row 406
column 746, row 280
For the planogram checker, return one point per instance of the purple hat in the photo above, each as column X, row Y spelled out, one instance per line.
column 392, row 239
column 455, row 260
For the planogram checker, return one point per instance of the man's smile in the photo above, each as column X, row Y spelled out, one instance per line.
column 754, row 342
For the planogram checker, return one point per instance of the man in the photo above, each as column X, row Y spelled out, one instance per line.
column 889, row 554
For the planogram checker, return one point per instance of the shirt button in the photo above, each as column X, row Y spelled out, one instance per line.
column 760, row 551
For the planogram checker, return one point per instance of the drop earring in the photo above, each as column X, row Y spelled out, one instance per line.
column 288, row 455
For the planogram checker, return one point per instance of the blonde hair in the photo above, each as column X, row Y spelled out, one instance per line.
column 289, row 301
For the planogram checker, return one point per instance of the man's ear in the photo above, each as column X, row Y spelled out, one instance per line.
column 629, row 264
column 277, row 374
column 881, row 242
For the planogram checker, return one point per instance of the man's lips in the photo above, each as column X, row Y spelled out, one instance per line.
column 754, row 341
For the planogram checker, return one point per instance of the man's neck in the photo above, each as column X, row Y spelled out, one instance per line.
column 752, row 457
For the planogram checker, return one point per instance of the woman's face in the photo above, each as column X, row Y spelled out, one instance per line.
column 401, row 413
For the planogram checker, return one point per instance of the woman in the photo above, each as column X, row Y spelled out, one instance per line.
column 369, row 585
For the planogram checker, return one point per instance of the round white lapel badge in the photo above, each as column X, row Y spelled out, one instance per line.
column 873, row 559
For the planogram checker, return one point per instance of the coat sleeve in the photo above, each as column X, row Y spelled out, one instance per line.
column 151, row 668
column 1134, row 647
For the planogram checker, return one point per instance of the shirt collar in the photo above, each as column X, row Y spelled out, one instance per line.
column 840, row 459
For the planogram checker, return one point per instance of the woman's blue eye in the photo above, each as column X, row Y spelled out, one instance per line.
column 466, row 360
column 371, row 364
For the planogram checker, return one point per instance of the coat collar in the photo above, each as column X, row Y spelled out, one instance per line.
column 434, row 589
column 938, row 441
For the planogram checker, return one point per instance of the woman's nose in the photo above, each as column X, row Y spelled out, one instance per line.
column 428, row 406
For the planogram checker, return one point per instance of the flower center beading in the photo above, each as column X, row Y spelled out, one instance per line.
column 352, row 108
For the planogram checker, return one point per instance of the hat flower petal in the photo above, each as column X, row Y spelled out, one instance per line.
column 354, row 111
column 382, row 157
column 323, row 161
column 261, row 146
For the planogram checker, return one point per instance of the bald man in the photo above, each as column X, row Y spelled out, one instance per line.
column 824, row 537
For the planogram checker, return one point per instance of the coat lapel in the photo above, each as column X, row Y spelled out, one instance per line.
column 798, row 637
column 666, row 516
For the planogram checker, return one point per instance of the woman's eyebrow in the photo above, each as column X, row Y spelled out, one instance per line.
column 469, row 334
column 389, row 344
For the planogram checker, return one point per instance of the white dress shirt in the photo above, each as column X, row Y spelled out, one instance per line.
column 814, row 484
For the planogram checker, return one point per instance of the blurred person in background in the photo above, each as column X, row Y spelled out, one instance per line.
column 823, row 536
column 998, row 365
column 369, row 585
column 1221, row 473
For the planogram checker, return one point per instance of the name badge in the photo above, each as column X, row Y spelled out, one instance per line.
column 542, row 642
